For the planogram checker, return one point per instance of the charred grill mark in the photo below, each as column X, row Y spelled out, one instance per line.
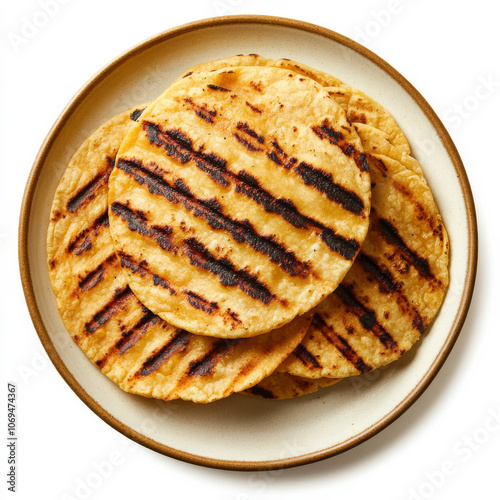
column 340, row 343
column 355, row 117
column 97, row 275
column 253, row 108
column 83, row 241
column 88, row 192
column 202, row 111
column 305, row 357
column 128, row 262
column 216, row 87
column 199, row 302
column 175, row 345
column 383, row 276
column 350, row 354
column 233, row 316
column 141, row 268
column 390, row 234
column 136, row 114
column 260, row 391
column 420, row 211
column 180, row 147
column 134, row 334
column 244, row 127
column 278, row 156
column 378, row 164
column 246, row 143
column 211, row 211
column 323, row 182
column 325, row 131
column 113, row 307
column 176, row 144
column 257, row 86
column 205, row 365
column 137, row 222
column 387, row 284
column 366, row 317
column 250, row 187
column 229, row 276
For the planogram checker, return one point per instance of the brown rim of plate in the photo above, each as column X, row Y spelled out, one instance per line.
column 232, row 464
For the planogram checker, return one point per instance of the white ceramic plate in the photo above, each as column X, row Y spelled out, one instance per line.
column 242, row 432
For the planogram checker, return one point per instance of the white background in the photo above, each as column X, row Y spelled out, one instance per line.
column 447, row 445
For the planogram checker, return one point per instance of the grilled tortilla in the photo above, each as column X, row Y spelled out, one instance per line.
column 136, row 349
column 394, row 289
column 398, row 281
column 239, row 200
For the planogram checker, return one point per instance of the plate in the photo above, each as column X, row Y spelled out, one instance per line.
column 241, row 432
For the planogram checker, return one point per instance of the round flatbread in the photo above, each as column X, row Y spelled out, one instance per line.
column 239, row 200
column 393, row 290
column 136, row 349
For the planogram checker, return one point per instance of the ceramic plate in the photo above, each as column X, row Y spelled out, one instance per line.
column 243, row 432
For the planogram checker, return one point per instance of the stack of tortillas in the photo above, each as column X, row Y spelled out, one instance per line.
column 260, row 227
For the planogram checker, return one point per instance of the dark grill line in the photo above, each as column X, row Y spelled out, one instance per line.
column 323, row 181
column 211, row 211
column 387, row 284
column 175, row 345
column 325, row 131
column 253, row 108
column 83, row 241
column 137, row 222
column 134, row 334
column 390, row 233
column 383, row 276
column 340, row 343
column 257, row 390
column 206, row 364
column 202, row 111
column 88, row 192
column 244, row 127
column 278, row 156
column 246, row 143
column 366, row 317
column 306, row 357
column 216, row 87
column 136, row 114
column 97, row 275
column 113, row 307
column 228, row 275
column 141, row 268
column 200, row 302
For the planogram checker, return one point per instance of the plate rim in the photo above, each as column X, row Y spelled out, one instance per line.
column 114, row 422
